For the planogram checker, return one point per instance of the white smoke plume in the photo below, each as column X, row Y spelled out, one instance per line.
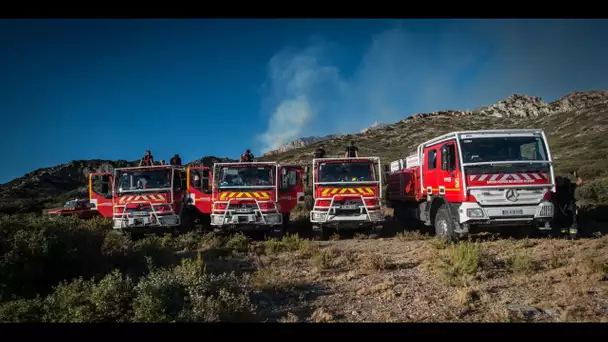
column 462, row 65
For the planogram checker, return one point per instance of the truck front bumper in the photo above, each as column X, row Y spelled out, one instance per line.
column 150, row 221
column 324, row 217
column 474, row 213
column 258, row 219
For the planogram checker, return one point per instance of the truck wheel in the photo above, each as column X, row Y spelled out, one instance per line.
column 444, row 227
column 320, row 233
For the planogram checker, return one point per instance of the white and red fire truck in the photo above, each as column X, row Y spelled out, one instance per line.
column 347, row 193
column 251, row 195
column 475, row 180
column 143, row 198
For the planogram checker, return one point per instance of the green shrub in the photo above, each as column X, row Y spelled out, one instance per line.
column 21, row 310
column 68, row 270
column 595, row 191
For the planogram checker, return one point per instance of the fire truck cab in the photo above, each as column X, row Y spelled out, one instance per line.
column 347, row 193
column 255, row 195
column 475, row 179
column 143, row 198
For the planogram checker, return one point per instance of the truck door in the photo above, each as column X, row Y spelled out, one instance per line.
column 291, row 189
column 430, row 167
column 447, row 174
column 100, row 192
column 199, row 187
column 180, row 189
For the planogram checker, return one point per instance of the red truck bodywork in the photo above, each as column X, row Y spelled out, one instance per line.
column 199, row 192
column 512, row 188
column 80, row 208
column 159, row 202
column 339, row 181
column 251, row 204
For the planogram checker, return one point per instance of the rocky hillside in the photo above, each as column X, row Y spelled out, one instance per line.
column 301, row 142
column 576, row 126
column 307, row 141
column 54, row 185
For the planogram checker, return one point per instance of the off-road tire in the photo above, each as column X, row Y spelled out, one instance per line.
column 444, row 227
column 321, row 234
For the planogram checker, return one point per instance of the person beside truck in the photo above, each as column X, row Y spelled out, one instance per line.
column 566, row 202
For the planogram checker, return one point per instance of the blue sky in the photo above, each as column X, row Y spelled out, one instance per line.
column 109, row 89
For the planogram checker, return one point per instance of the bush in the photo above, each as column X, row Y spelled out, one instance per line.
column 68, row 270
column 595, row 191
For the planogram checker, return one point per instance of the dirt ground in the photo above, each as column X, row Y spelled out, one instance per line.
column 412, row 277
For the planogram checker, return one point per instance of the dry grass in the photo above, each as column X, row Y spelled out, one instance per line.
column 413, row 277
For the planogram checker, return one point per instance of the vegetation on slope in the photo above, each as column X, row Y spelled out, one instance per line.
column 576, row 138
column 65, row 270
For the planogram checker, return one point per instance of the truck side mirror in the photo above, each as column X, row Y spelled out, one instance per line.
column 305, row 177
column 306, row 169
column 386, row 168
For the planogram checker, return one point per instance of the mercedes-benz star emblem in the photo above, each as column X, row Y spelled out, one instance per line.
column 511, row 195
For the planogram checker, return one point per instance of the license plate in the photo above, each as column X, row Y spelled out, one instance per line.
column 512, row 212
column 349, row 206
column 140, row 213
column 241, row 210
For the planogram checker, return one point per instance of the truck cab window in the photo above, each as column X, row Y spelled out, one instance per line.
column 432, row 159
column 448, row 157
column 292, row 178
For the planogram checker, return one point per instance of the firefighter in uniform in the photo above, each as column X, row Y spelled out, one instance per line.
column 147, row 160
column 566, row 203
column 320, row 152
column 351, row 151
column 176, row 160
column 247, row 156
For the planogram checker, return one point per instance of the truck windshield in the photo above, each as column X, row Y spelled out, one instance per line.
column 346, row 172
column 70, row 204
column 503, row 149
column 139, row 180
column 237, row 176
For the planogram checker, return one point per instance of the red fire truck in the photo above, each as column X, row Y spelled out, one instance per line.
column 253, row 195
column 143, row 198
column 347, row 193
column 475, row 180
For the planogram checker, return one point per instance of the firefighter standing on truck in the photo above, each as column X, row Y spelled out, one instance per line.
column 566, row 203
column 351, row 151
column 176, row 160
column 247, row 157
column 147, row 160
column 320, row 152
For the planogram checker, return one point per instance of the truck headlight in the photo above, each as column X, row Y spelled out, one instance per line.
column 475, row 212
column 318, row 216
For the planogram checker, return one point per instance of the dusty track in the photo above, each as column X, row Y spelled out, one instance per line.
column 400, row 277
